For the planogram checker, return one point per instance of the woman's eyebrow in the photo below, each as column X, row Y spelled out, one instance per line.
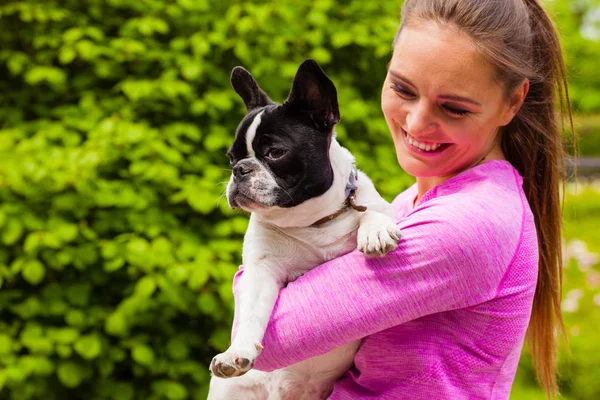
column 459, row 98
column 399, row 76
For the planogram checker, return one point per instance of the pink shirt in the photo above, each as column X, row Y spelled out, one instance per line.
column 443, row 316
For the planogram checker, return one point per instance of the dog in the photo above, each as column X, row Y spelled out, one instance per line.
column 308, row 204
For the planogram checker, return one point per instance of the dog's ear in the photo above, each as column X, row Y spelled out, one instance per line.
column 315, row 93
column 245, row 85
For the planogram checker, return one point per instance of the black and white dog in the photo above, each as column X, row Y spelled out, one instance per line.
column 309, row 204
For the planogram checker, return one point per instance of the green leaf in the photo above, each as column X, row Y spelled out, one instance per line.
column 114, row 264
column 64, row 335
column 242, row 51
column 341, row 38
column 66, row 55
column 70, row 374
column 170, row 389
column 145, row 286
column 179, row 44
column 42, row 366
column 240, row 225
column 75, row 318
column 17, row 62
column 12, row 231
column 198, row 277
column 142, row 354
column 191, row 71
column 33, row 271
column 138, row 252
column 32, row 242
column 78, row 294
column 16, row 374
column 207, row 304
column 137, row 90
column 109, row 249
column 88, row 347
column 321, row 55
column 116, row 324
column 6, row 344
column 52, row 75
column 73, row 34
column 178, row 273
column 64, row 351
column 162, row 251
column 201, row 201
column 177, row 349
column 66, row 232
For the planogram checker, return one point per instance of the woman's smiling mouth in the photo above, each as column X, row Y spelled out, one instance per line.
column 421, row 147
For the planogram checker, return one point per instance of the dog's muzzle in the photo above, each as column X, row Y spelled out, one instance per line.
column 251, row 186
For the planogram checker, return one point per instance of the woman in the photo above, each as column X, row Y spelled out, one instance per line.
column 470, row 101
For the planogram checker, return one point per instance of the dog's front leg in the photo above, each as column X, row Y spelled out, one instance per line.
column 378, row 234
column 258, row 289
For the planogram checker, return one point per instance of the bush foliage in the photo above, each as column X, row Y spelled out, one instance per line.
column 117, row 247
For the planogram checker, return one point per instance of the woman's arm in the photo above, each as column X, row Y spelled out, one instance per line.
column 441, row 263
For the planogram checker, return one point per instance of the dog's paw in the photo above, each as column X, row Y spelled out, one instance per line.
column 378, row 235
column 234, row 362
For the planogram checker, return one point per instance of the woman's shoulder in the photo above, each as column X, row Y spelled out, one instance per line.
column 482, row 208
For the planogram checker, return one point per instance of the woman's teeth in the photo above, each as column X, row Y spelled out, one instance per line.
column 426, row 147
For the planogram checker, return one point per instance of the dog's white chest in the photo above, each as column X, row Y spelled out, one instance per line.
column 297, row 250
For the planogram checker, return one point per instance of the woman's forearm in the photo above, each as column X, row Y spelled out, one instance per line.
column 351, row 297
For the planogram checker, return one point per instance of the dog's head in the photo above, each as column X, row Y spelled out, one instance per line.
column 280, row 156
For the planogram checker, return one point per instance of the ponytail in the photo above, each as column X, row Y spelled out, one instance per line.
column 533, row 144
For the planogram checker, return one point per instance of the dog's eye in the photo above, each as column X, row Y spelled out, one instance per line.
column 275, row 154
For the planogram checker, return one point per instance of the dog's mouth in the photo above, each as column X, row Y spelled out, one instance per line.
column 239, row 199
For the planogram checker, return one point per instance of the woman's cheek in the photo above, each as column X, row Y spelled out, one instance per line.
column 392, row 107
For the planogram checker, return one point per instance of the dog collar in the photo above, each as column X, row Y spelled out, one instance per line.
column 351, row 188
column 352, row 180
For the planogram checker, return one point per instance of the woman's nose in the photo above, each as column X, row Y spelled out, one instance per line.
column 420, row 120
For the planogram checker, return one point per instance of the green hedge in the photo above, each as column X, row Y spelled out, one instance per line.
column 117, row 246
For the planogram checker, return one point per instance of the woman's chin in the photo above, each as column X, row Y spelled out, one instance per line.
column 415, row 167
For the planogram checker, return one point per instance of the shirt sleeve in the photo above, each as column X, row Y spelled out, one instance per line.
column 448, row 258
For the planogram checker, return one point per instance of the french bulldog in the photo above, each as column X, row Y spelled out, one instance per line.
column 308, row 204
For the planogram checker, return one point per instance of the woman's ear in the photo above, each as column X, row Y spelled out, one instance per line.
column 515, row 101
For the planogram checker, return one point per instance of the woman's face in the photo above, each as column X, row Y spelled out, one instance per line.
column 441, row 103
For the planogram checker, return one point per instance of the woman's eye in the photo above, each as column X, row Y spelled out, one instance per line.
column 456, row 111
column 401, row 90
column 274, row 154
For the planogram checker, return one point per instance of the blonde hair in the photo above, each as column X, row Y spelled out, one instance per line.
column 519, row 38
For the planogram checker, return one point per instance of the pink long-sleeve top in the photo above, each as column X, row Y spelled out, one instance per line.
column 443, row 316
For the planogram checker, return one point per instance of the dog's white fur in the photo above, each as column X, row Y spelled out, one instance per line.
column 280, row 245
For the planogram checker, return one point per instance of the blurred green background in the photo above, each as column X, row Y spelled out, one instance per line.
column 117, row 247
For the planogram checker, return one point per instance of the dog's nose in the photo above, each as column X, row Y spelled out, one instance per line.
column 241, row 170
